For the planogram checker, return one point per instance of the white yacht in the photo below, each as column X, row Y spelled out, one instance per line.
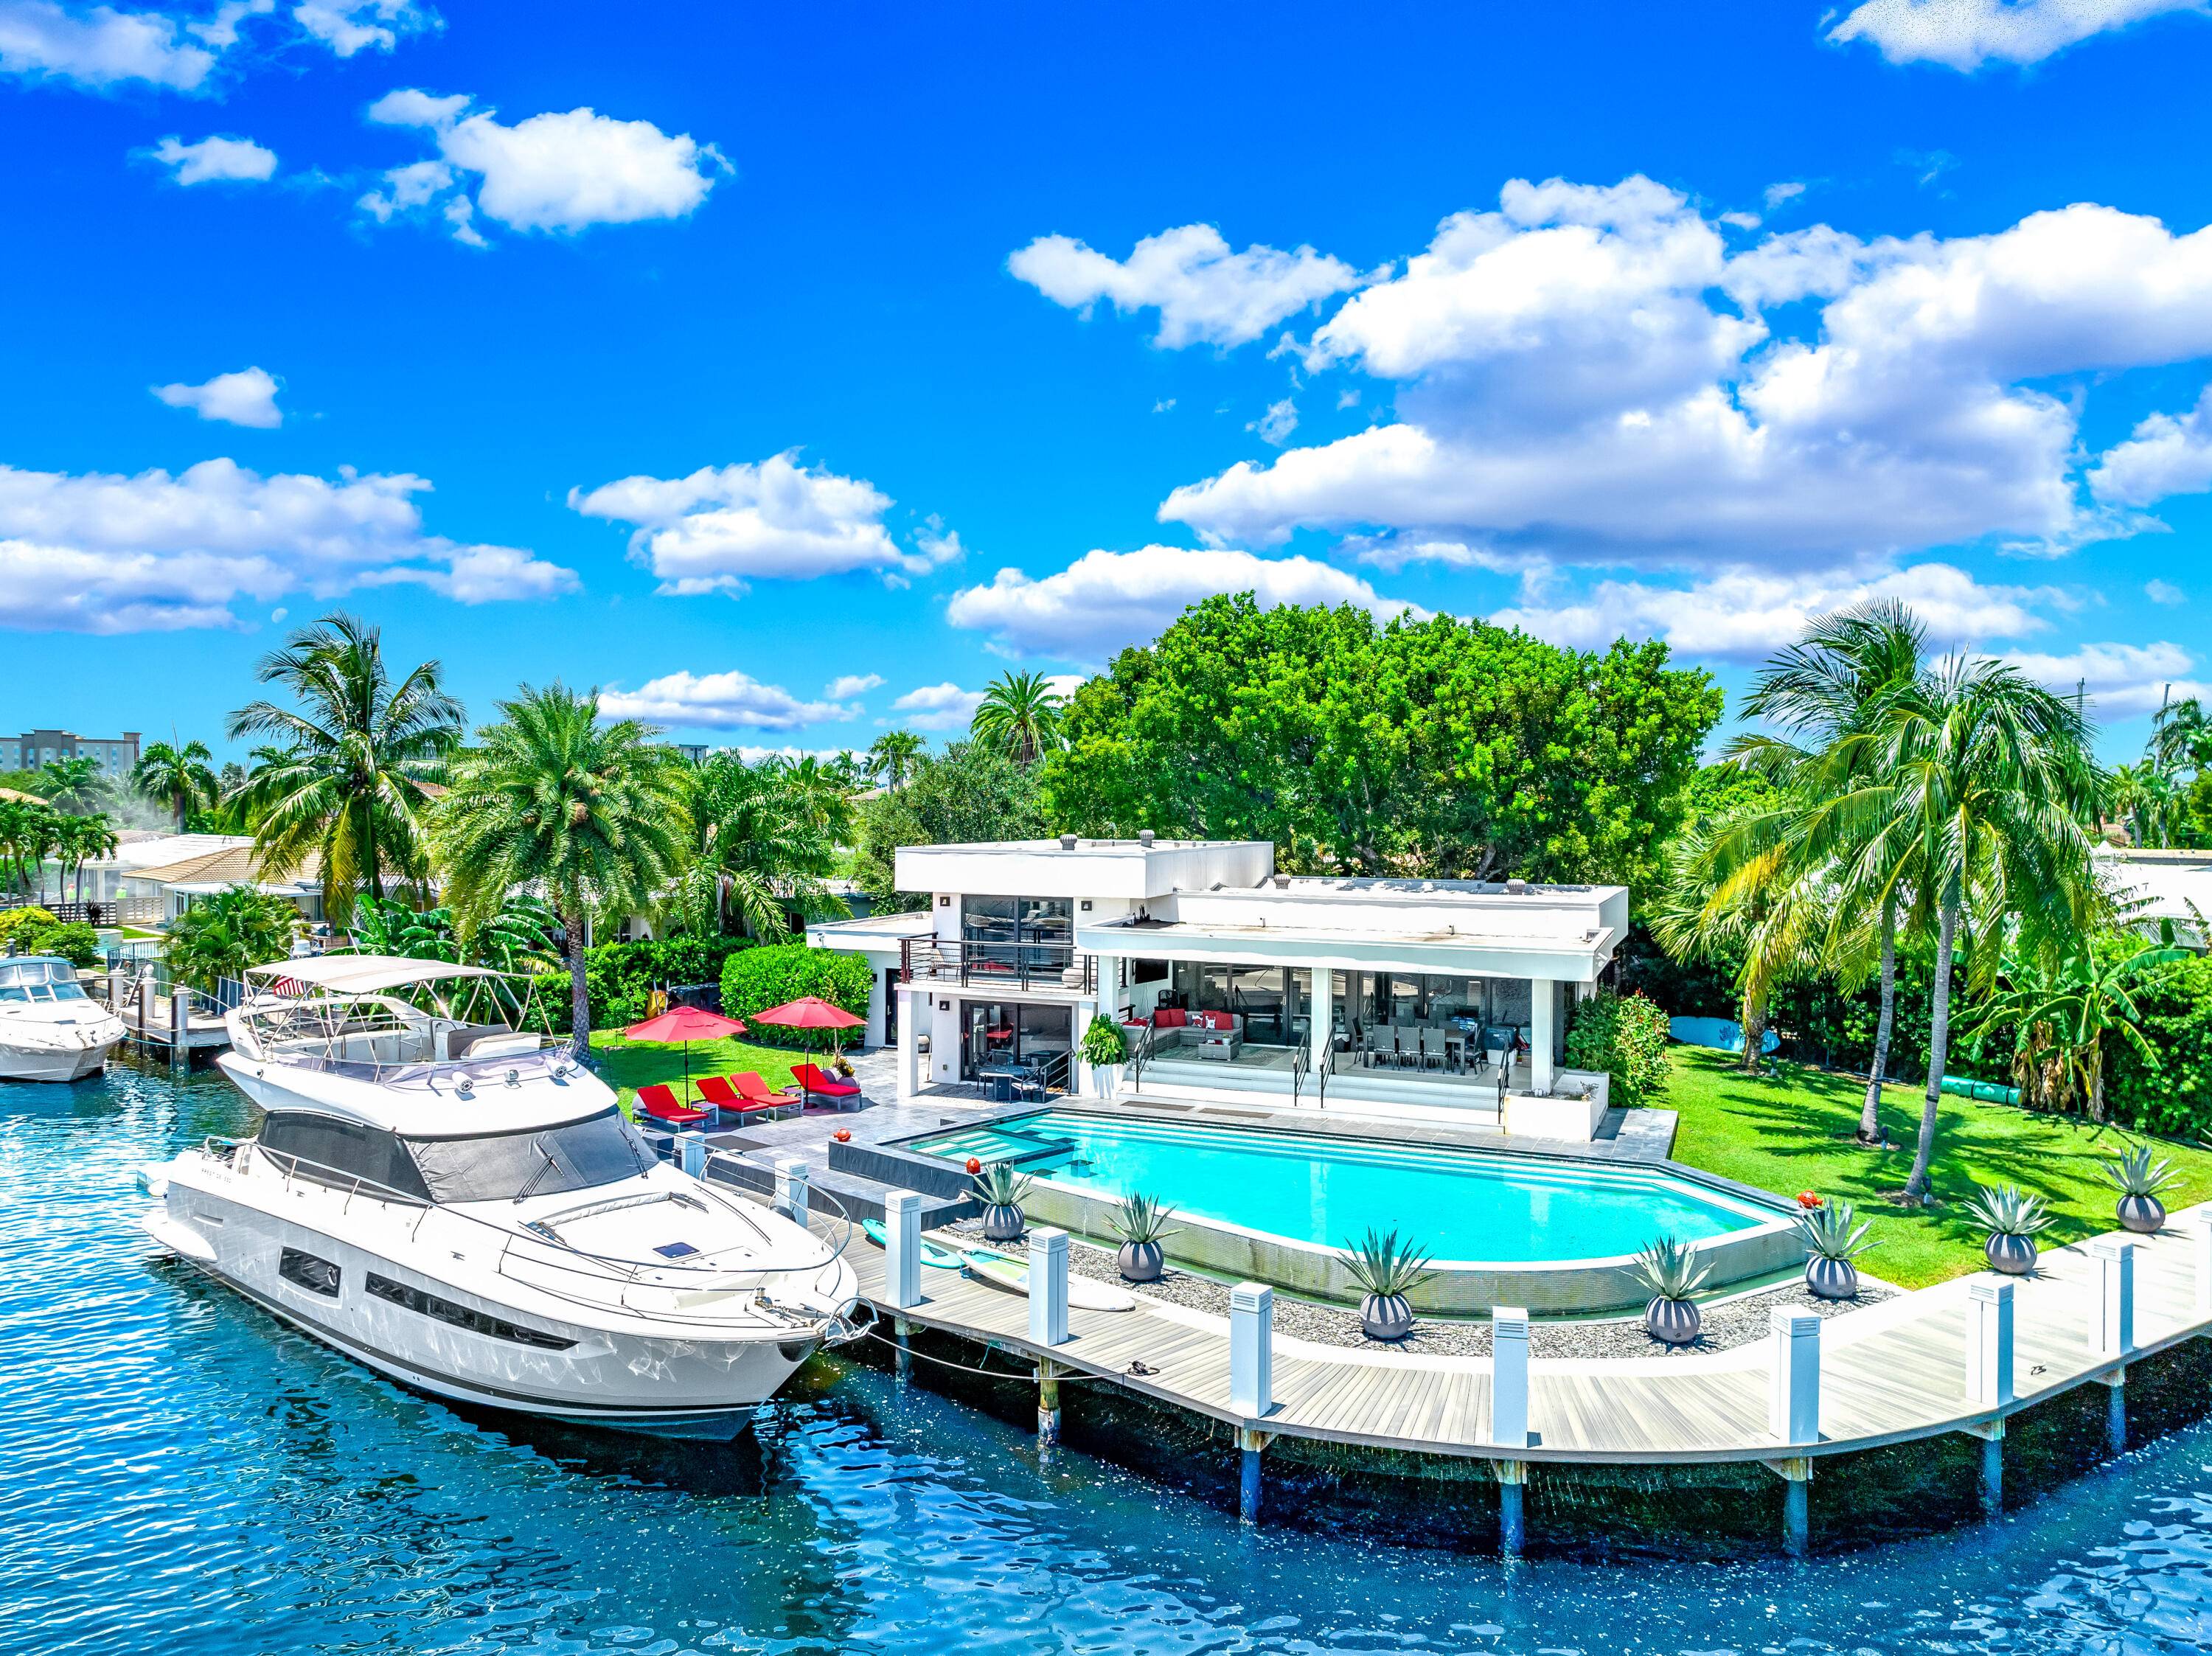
column 460, row 1206
column 50, row 1028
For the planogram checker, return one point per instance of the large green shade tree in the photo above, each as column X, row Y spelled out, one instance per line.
column 1442, row 747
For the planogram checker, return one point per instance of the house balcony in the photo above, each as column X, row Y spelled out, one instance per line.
column 1057, row 970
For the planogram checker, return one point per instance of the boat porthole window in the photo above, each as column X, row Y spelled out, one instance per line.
column 304, row 1270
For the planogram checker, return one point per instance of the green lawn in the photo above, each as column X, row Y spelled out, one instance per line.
column 1794, row 1132
column 627, row 1065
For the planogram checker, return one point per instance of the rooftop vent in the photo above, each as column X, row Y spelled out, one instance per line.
column 1282, row 883
column 1144, row 838
column 1516, row 888
column 1068, row 842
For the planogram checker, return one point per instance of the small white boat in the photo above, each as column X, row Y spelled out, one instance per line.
column 456, row 1204
column 50, row 1028
column 1002, row 1271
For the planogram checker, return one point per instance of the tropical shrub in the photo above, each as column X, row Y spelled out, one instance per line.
column 1103, row 1041
column 621, row 977
column 2173, row 1098
column 219, row 937
column 16, row 923
column 757, row 979
column 73, row 940
column 1623, row 1036
column 970, row 791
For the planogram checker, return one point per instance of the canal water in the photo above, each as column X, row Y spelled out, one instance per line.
column 179, row 1475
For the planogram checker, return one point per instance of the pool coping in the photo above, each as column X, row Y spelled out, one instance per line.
column 1594, row 1284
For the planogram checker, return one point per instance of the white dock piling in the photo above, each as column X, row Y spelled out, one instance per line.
column 1048, row 1286
column 903, row 1247
column 1990, row 1344
column 1793, row 1411
column 691, row 1152
column 2200, row 1255
column 1508, row 1420
column 2112, row 1320
column 791, row 1184
column 1251, row 1382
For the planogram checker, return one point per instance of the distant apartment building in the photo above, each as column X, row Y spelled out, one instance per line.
column 116, row 756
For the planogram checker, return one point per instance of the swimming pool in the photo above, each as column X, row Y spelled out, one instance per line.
column 1461, row 1204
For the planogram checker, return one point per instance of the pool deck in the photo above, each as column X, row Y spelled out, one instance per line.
column 1893, row 1373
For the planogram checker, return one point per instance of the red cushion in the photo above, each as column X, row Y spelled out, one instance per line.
column 1217, row 1021
column 1170, row 1017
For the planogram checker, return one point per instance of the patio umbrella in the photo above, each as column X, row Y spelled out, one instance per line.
column 686, row 1024
column 810, row 1012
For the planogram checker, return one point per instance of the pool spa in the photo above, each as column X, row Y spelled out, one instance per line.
column 1547, row 1233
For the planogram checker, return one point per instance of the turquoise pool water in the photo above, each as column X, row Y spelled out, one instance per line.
column 185, row 1476
column 1460, row 1204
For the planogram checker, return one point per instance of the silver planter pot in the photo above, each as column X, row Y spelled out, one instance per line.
column 2143, row 1215
column 2013, row 1255
column 1141, row 1262
column 1675, row 1321
column 1385, row 1316
column 1002, row 1222
column 1831, row 1279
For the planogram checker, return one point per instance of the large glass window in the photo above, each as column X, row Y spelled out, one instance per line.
column 600, row 1149
column 1002, row 1036
column 1018, row 934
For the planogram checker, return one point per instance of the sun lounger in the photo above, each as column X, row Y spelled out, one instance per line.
column 811, row 1080
column 756, row 1096
column 659, row 1102
column 726, row 1101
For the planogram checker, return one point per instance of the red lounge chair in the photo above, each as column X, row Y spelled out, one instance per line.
column 751, row 1089
column 717, row 1092
column 659, row 1102
column 811, row 1080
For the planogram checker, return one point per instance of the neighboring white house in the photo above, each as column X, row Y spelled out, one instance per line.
column 187, row 880
column 1437, row 999
column 2161, row 885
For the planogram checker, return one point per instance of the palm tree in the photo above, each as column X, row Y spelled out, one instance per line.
column 891, row 756
column 2150, row 800
column 221, row 936
column 1828, row 687
column 1978, row 781
column 79, row 841
column 346, row 780
column 821, row 795
column 758, row 844
column 72, row 784
column 28, row 830
column 1020, row 714
column 179, row 775
column 595, row 813
column 2088, row 996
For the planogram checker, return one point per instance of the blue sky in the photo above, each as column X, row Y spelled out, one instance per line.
column 717, row 354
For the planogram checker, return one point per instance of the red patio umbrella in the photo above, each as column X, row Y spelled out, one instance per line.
column 686, row 1024
column 810, row 1012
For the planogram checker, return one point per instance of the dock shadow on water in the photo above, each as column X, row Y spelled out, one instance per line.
column 183, row 1475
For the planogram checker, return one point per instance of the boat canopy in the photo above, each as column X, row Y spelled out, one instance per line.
column 364, row 975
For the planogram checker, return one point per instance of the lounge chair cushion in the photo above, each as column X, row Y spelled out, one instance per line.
column 811, row 1077
column 658, row 1101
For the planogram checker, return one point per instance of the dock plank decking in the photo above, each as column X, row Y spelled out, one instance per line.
column 1890, row 1373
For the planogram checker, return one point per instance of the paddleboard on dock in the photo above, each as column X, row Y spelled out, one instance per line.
column 1013, row 1275
column 943, row 1258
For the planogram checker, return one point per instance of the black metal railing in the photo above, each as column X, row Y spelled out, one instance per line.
column 974, row 965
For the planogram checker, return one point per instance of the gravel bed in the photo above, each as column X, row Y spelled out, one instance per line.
column 1728, row 1324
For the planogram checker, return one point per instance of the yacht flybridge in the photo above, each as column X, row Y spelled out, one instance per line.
column 457, row 1203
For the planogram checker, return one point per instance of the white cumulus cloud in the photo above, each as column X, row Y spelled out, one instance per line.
column 2166, row 454
column 1964, row 34
column 101, row 46
column 1203, row 292
column 723, row 702
column 552, row 171
column 722, row 527
column 848, row 685
column 943, row 707
column 2121, row 680
column 105, row 553
column 247, row 398
column 1105, row 600
column 216, row 159
column 346, row 27
column 1571, row 384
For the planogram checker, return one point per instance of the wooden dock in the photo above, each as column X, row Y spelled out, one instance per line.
column 1891, row 1373
column 176, row 1025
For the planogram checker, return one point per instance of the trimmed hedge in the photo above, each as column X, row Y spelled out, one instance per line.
column 2172, row 1099
column 761, row 978
column 34, row 931
column 620, row 977
column 1623, row 1036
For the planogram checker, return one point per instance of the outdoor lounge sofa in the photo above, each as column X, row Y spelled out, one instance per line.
column 1213, row 1034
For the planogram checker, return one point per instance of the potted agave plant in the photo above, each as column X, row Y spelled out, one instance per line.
column 2139, row 1181
column 1387, row 1270
column 1141, row 1222
column 1002, row 1191
column 1832, row 1240
column 2012, row 1216
column 1671, row 1271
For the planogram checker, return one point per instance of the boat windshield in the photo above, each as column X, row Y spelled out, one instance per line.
column 600, row 1149
column 39, row 980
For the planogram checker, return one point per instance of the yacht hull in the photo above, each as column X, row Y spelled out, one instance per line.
column 694, row 1385
column 22, row 1063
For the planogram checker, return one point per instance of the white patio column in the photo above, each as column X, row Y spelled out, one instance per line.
column 1320, row 1011
column 1543, row 1035
column 911, row 1009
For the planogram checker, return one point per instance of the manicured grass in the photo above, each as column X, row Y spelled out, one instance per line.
column 1794, row 1132
column 627, row 1065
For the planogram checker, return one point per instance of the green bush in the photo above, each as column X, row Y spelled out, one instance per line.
column 2174, row 1098
column 1623, row 1036
column 36, row 931
column 761, row 978
column 621, row 977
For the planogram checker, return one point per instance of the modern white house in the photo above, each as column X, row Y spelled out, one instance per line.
column 1436, row 999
